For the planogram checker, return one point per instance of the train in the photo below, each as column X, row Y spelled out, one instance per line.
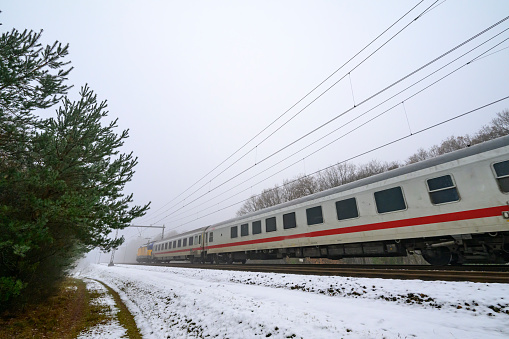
column 452, row 209
column 144, row 253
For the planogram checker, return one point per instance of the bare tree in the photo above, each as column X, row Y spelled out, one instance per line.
column 248, row 206
column 345, row 173
column 270, row 197
column 374, row 167
column 499, row 127
column 299, row 187
column 336, row 176
column 420, row 155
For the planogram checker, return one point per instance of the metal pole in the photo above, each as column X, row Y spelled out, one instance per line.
column 113, row 252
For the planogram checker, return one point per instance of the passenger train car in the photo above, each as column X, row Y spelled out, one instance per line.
column 452, row 209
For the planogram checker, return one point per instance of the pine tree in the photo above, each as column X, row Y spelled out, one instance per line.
column 61, row 179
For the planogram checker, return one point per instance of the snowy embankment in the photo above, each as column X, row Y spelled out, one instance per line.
column 178, row 302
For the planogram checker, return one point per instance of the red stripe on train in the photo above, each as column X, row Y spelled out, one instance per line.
column 432, row 219
column 184, row 250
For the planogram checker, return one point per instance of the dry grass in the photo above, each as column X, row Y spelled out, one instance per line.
column 65, row 315
column 124, row 317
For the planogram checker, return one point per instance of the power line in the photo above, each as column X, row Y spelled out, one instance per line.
column 340, row 115
column 359, row 155
column 300, row 100
column 365, row 123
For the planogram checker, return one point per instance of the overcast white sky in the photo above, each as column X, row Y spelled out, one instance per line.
column 193, row 81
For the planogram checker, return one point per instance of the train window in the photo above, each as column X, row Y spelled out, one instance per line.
column 289, row 220
column 244, row 230
column 442, row 190
column 234, row 231
column 347, row 209
column 314, row 215
column 199, row 239
column 257, row 227
column 179, row 243
column 184, row 242
column 166, row 246
column 196, row 240
column 502, row 174
column 390, row 200
column 175, row 244
column 190, row 241
column 169, row 245
column 211, row 237
column 270, row 224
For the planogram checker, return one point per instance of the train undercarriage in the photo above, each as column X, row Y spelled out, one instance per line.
column 484, row 248
column 487, row 248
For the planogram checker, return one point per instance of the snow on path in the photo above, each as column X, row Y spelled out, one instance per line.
column 112, row 328
column 192, row 303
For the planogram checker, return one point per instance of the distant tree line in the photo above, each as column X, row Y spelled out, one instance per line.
column 345, row 173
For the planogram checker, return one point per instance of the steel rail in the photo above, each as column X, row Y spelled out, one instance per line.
column 472, row 273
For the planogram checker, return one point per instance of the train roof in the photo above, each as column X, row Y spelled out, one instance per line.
column 183, row 235
column 452, row 156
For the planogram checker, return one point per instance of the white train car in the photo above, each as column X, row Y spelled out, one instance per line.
column 452, row 209
column 185, row 246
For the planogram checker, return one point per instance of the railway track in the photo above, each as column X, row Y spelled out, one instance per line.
column 472, row 273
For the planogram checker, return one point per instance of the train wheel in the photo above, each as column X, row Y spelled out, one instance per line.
column 439, row 256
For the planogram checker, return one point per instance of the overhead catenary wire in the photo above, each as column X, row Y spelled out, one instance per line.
column 315, row 99
column 377, row 106
column 370, row 120
column 302, row 99
column 361, row 154
column 305, row 107
column 345, row 112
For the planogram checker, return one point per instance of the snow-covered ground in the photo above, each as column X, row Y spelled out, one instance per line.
column 194, row 303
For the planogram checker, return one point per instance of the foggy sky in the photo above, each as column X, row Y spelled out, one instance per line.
column 193, row 81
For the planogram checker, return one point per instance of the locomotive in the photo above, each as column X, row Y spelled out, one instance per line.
column 452, row 209
column 144, row 253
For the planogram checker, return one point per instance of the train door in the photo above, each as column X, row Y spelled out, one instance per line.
column 205, row 244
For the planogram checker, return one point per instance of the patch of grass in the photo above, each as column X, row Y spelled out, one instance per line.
column 64, row 315
column 124, row 317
